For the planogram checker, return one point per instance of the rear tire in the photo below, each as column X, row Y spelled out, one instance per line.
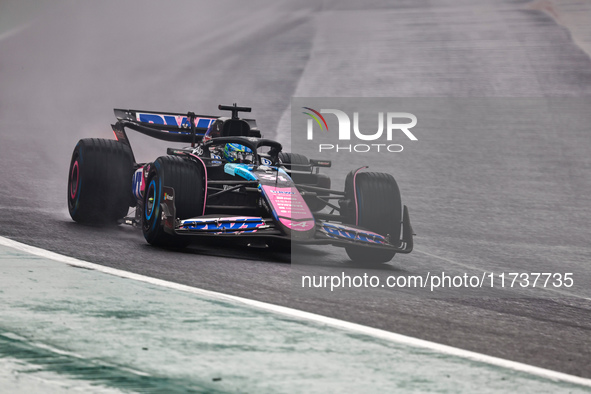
column 99, row 181
column 379, row 209
column 287, row 159
column 187, row 180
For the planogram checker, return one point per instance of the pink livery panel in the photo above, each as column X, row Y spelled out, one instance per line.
column 290, row 207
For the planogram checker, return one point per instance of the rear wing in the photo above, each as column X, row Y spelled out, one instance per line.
column 167, row 126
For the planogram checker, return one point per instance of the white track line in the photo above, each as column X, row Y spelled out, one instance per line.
column 373, row 332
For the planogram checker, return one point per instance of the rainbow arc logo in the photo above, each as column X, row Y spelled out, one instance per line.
column 315, row 116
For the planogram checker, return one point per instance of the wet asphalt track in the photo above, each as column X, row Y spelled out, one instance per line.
column 62, row 75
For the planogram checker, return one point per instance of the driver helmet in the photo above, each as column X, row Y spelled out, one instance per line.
column 236, row 153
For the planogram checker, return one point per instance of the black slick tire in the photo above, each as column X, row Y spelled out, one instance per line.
column 187, row 179
column 376, row 206
column 99, row 181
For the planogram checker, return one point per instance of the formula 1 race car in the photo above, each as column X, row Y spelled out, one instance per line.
column 230, row 182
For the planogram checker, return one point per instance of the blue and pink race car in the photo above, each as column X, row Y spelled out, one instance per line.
column 230, row 182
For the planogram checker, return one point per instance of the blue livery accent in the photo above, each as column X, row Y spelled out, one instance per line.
column 203, row 123
column 245, row 173
column 151, row 118
column 230, row 169
column 281, row 170
column 137, row 183
column 231, row 225
column 170, row 120
column 242, row 170
column 151, row 187
column 335, row 231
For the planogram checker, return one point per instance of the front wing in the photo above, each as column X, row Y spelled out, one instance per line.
column 326, row 232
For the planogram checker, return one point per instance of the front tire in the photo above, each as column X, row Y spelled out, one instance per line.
column 99, row 181
column 376, row 206
column 187, row 180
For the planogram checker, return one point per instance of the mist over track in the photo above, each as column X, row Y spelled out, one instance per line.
column 65, row 67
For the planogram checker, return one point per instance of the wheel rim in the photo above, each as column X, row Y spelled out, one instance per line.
column 150, row 198
column 74, row 177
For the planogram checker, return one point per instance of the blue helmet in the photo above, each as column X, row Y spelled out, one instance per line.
column 236, row 153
